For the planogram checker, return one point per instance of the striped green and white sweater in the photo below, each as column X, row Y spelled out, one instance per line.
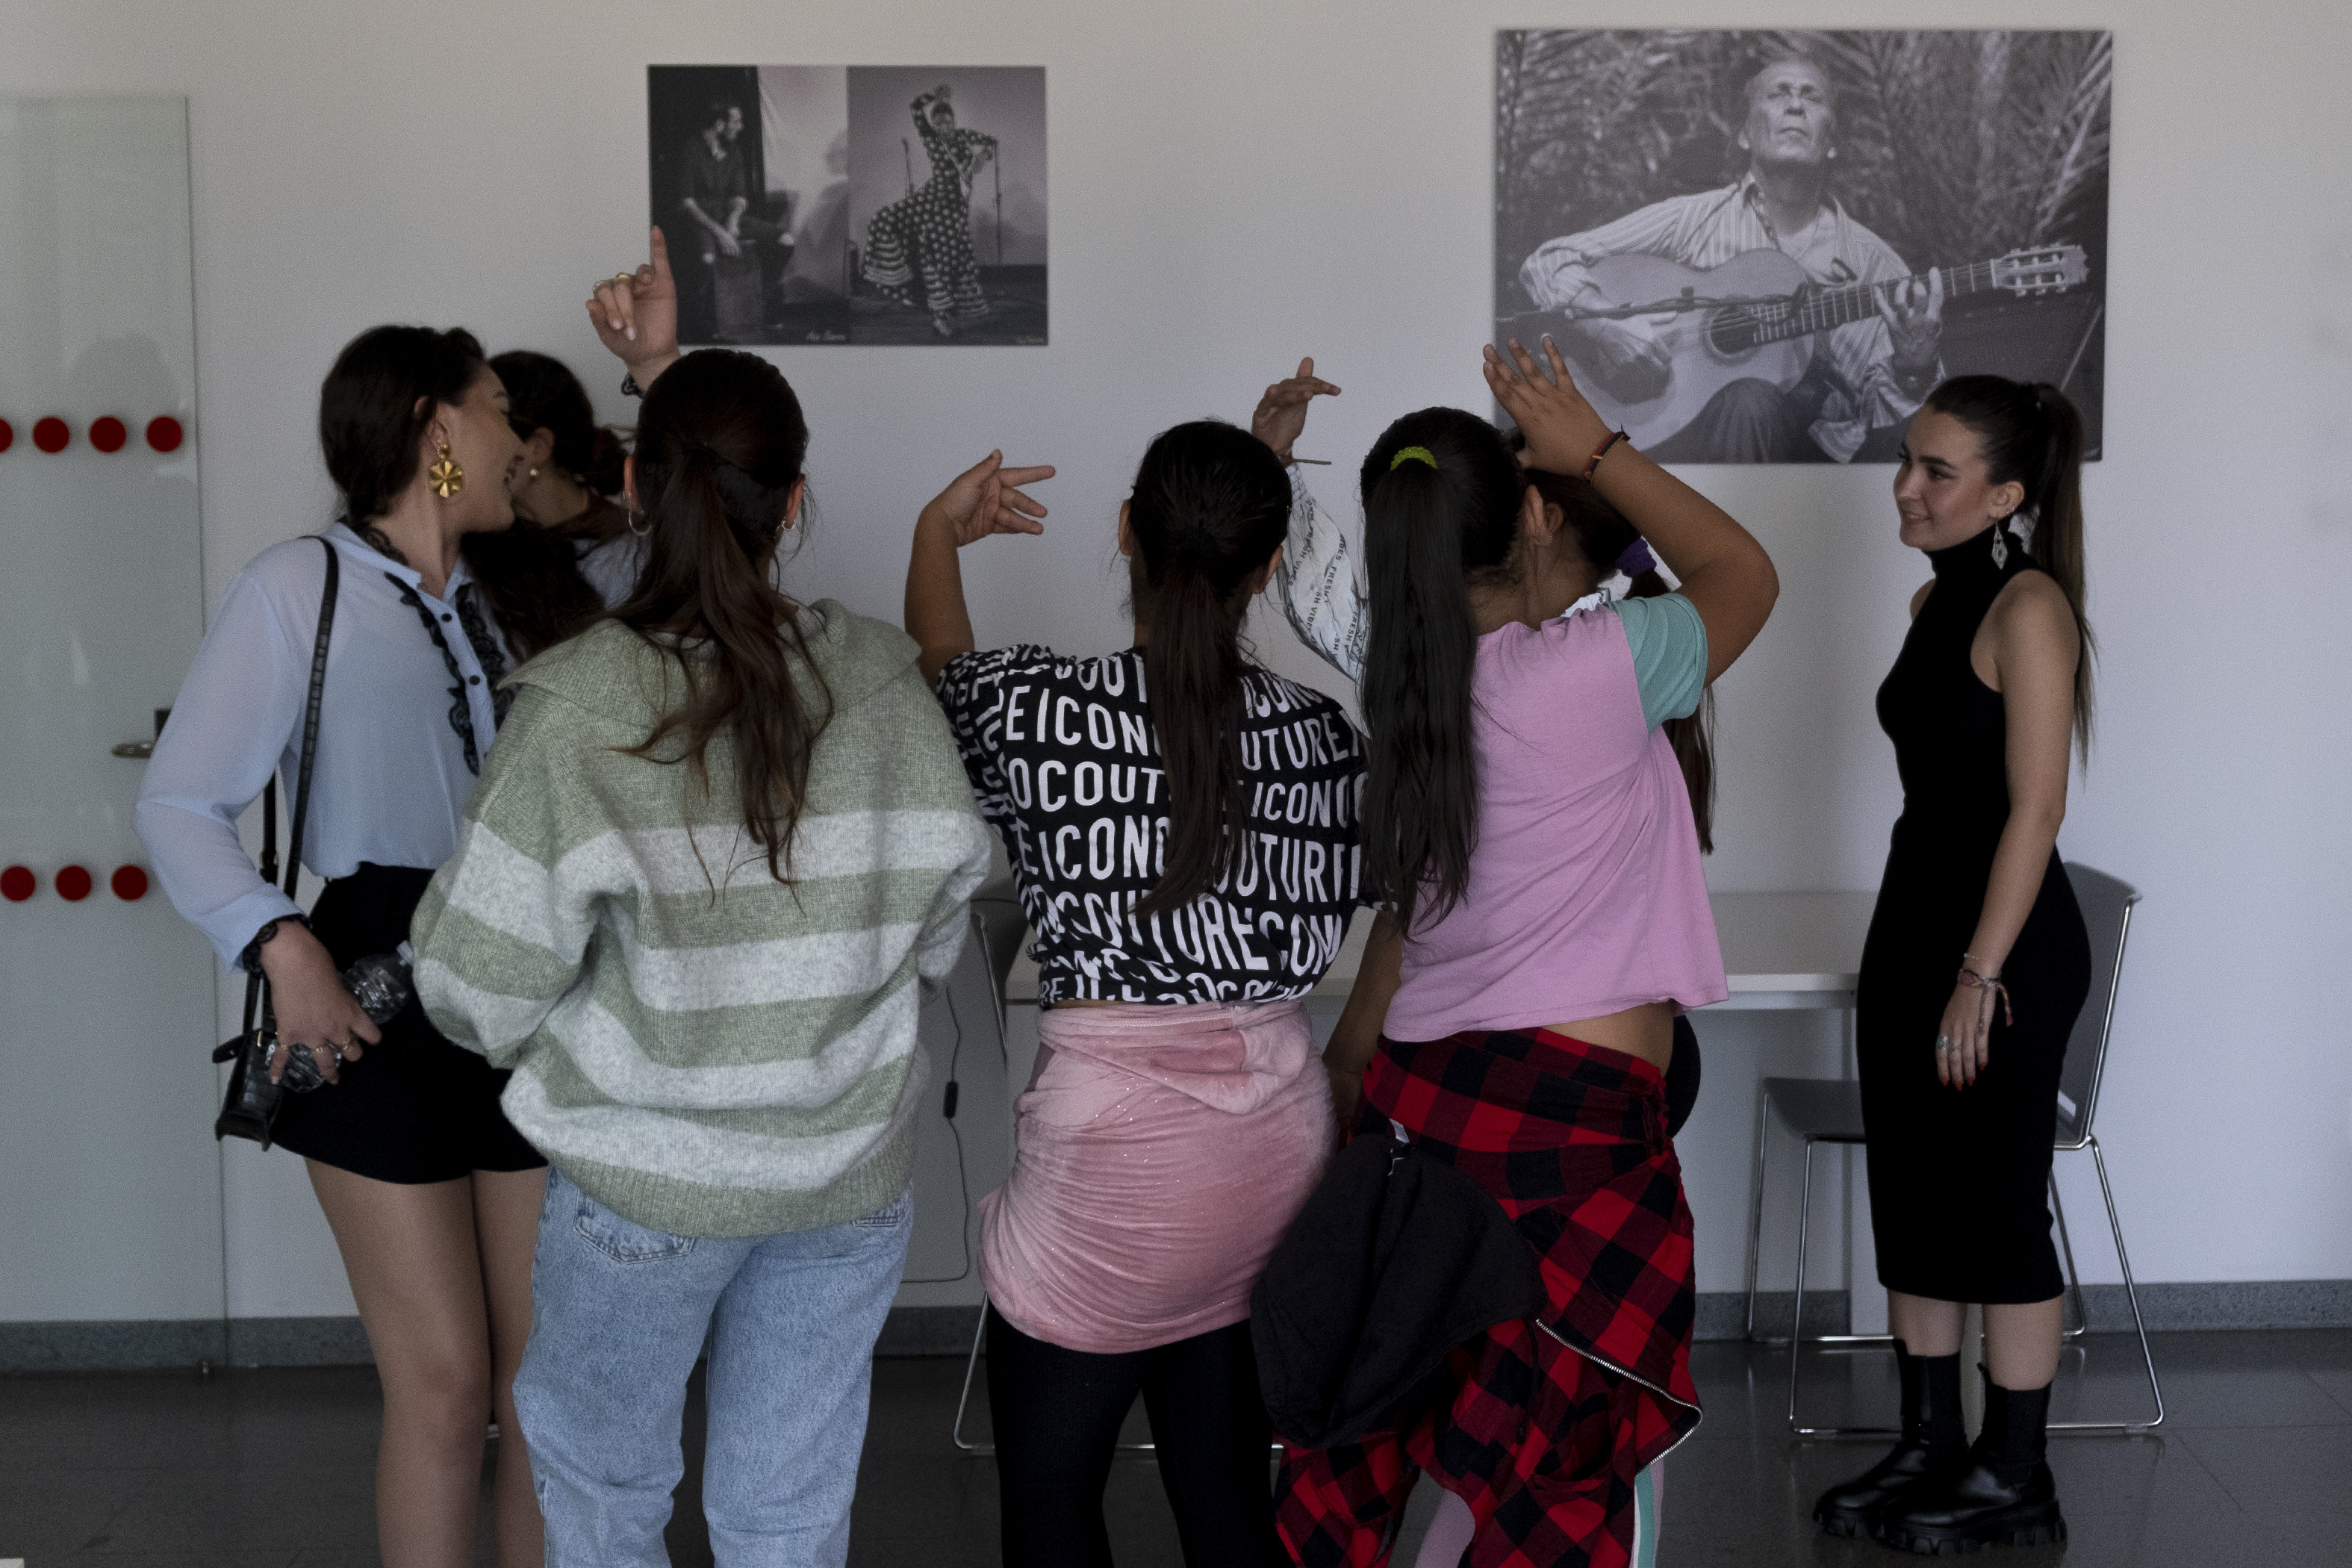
column 699, row 1047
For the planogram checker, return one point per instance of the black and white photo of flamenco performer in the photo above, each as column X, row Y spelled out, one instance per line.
column 947, row 178
column 918, row 248
column 1768, row 248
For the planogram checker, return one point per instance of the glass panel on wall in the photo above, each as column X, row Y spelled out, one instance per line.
column 105, row 998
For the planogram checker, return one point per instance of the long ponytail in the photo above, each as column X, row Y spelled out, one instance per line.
column 719, row 448
column 1440, row 496
column 1210, row 507
column 2031, row 434
column 1603, row 538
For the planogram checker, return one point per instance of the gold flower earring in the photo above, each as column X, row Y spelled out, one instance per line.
column 446, row 478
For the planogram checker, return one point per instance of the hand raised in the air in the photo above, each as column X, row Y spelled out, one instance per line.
column 1281, row 414
column 1562, row 430
column 986, row 499
column 636, row 315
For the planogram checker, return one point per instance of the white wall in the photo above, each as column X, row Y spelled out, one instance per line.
column 1236, row 184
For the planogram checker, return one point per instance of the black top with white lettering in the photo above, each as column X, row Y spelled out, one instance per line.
column 1066, row 764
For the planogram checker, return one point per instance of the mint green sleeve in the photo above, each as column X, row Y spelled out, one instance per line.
column 1669, row 644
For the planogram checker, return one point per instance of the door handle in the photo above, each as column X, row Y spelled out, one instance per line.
column 139, row 750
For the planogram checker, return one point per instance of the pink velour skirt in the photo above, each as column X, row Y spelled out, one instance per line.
column 1162, row 1151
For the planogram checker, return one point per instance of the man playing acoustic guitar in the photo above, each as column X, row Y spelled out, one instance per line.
column 1866, row 376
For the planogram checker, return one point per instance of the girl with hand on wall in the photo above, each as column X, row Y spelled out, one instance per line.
column 1524, row 802
column 432, row 1195
column 1183, row 828
column 1977, row 964
column 725, row 840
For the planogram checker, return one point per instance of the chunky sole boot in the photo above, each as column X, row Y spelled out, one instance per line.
column 2004, row 1496
column 1934, row 1444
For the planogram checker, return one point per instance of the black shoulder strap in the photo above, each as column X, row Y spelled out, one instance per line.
column 302, row 779
column 310, row 720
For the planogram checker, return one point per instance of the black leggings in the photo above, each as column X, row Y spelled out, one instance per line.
column 1058, row 1414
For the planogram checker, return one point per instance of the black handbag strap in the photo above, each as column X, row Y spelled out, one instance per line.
column 310, row 710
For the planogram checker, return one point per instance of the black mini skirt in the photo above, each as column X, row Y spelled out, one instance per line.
column 414, row 1108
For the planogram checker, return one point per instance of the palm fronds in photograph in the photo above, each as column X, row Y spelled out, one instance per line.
column 1951, row 144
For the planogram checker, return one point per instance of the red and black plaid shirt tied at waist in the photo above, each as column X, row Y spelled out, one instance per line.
column 1548, row 1422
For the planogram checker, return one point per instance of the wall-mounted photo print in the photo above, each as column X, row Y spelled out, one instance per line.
column 1768, row 247
column 853, row 203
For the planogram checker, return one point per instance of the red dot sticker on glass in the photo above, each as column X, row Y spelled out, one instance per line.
column 17, row 883
column 163, row 434
column 51, row 434
column 130, row 883
column 74, row 884
column 106, row 434
column 7, row 434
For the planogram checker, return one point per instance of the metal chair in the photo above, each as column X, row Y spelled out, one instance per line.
column 1829, row 1110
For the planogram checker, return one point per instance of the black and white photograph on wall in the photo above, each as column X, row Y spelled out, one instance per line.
column 869, row 204
column 1768, row 247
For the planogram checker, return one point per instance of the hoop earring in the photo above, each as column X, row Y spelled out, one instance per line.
column 638, row 517
column 446, row 477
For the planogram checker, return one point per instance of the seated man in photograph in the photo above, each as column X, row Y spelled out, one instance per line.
column 1866, row 377
column 716, row 198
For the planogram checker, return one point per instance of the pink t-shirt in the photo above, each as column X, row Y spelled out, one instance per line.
column 1586, row 895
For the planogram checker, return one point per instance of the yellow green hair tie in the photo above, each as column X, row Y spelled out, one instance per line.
column 1413, row 455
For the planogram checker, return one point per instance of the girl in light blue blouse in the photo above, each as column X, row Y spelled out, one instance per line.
column 433, row 1198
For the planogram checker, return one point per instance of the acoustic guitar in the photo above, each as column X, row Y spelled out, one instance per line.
column 1750, row 317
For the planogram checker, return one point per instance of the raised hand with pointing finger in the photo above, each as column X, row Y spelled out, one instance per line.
column 636, row 314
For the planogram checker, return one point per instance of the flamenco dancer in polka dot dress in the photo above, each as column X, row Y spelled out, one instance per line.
column 926, row 237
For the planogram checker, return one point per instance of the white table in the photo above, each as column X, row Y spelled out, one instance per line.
column 1779, row 950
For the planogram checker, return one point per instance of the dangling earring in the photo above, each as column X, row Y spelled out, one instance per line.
column 447, row 478
column 636, row 517
column 2000, row 544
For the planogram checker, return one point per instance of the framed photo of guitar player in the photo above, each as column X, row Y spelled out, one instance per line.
column 1767, row 246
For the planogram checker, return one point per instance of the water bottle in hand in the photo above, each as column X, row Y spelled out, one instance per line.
column 379, row 984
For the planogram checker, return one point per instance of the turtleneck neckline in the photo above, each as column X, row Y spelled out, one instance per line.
column 1972, row 557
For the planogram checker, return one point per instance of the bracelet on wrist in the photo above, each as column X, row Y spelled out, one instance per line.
column 250, row 959
column 1593, row 465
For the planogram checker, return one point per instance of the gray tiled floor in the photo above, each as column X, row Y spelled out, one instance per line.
column 2253, row 1466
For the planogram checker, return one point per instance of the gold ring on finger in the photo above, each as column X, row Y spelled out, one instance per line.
column 624, row 277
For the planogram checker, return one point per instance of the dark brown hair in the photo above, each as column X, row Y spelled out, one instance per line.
column 720, row 446
column 374, row 410
column 1602, row 535
column 1431, row 530
column 544, row 394
column 2030, row 434
column 377, row 403
column 1210, row 507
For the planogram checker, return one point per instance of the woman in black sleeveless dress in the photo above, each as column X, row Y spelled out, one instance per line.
column 1977, row 964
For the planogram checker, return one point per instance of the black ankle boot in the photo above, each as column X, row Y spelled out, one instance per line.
column 1933, row 1442
column 2005, row 1497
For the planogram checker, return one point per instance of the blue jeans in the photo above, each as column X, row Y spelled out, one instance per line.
column 619, row 1313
